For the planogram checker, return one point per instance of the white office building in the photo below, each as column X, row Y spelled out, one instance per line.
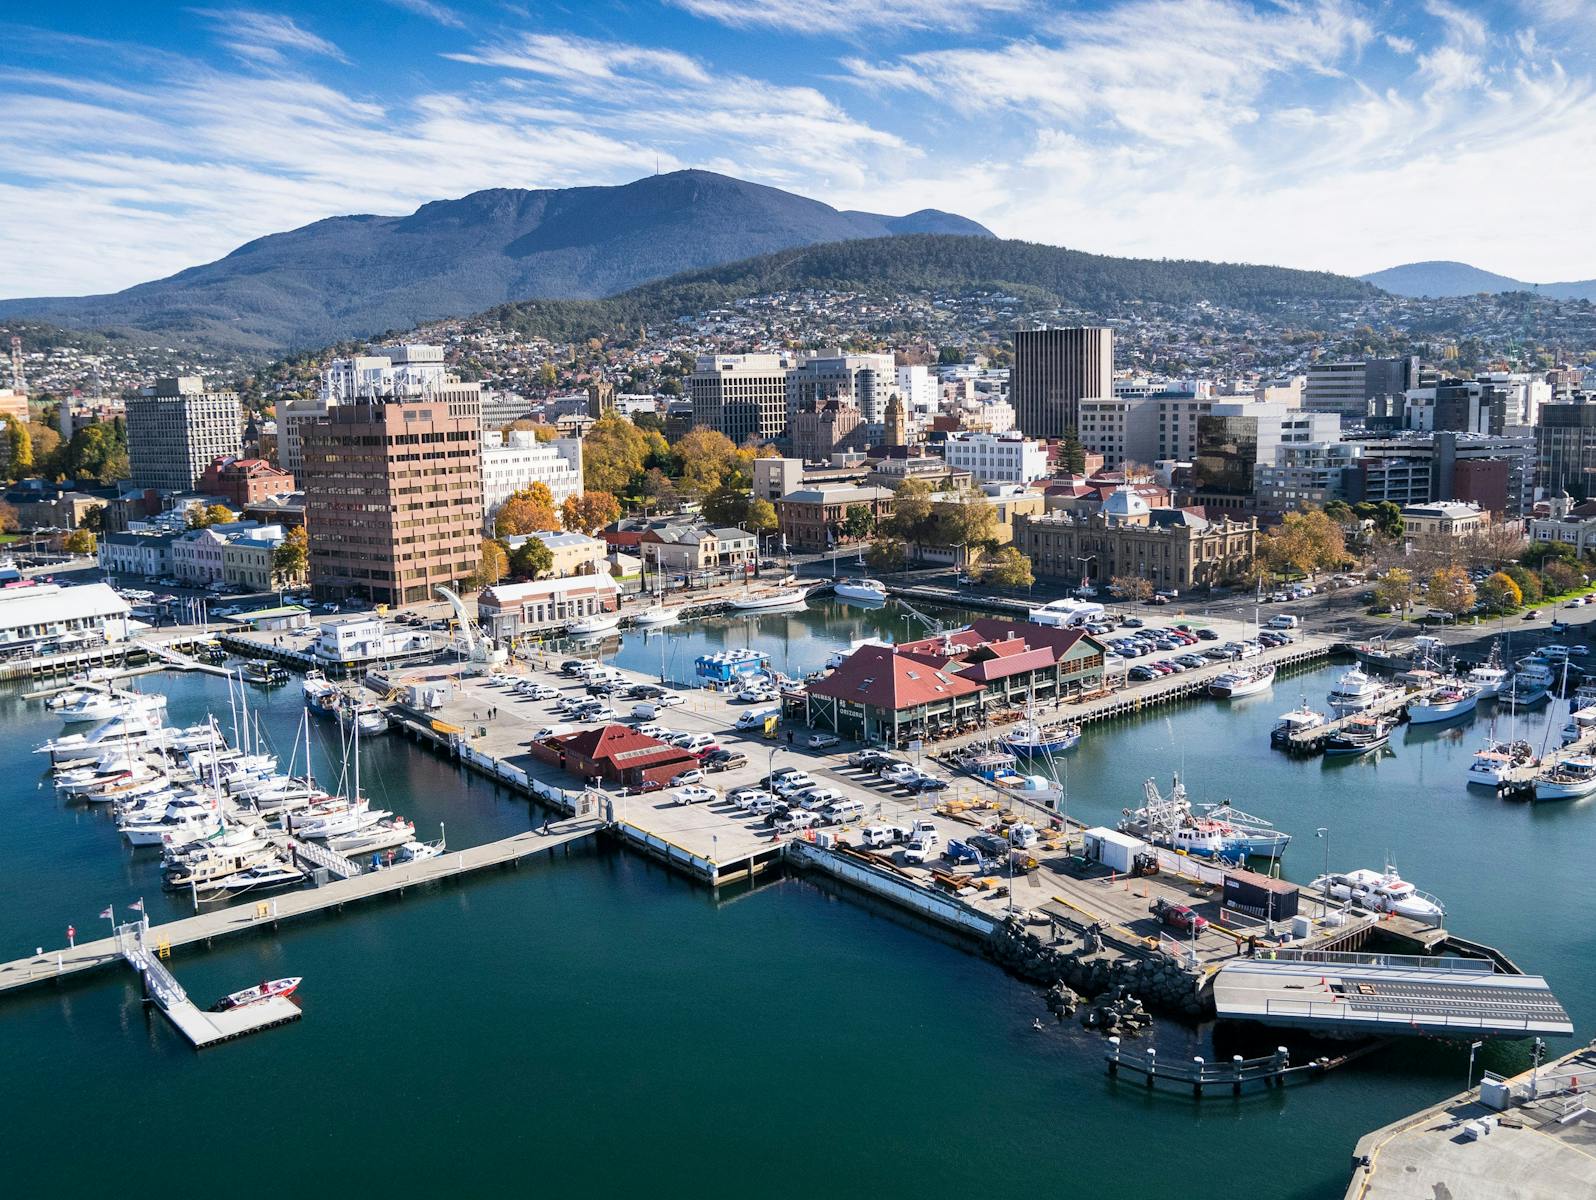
column 412, row 369
column 1122, row 428
column 997, row 458
column 921, row 391
column 519, row 461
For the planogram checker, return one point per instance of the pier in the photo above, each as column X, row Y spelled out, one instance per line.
column 269, row 913
column 1312, row 741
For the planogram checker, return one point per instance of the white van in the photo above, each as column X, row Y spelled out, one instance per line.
column 755, row 718
column 840, row 812
column 1283, row 621
column 876, row 836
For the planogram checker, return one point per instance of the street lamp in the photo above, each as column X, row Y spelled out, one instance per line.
column 1324, row 892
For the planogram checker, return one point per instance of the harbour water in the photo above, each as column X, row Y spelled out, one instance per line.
column 597, row 1025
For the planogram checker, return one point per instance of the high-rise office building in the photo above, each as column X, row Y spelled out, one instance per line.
column 1337, row 387
column 741, row 395
column 1053, row 370
column 176, row 429
column 393, row 496
column 1565, row 447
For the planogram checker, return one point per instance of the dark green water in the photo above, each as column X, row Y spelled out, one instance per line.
column 594, row 1025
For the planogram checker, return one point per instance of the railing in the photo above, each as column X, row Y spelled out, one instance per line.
column 1341, row 958
column 1197, row 1071
column 1341, row 1010
column 340, row 866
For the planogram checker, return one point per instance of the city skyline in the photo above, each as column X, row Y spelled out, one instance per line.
column 1336, row 135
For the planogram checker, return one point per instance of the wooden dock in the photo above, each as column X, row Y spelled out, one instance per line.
column 269, row 912
column 1311, row 741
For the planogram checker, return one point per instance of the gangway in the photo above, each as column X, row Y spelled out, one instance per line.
column 319, row 856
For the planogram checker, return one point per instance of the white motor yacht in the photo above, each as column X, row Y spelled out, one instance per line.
column 98, row 705
column 260, row 878
column 1354, row 692
column 1298, row 720
column 1233, row 685
column 1381, row 892
column 870, row 591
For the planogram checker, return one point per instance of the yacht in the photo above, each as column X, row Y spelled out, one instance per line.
column 1527, row 689
column 1569, row 779
column 1381, row 892
column 259, row 878
column 340, row 824
column 1354, row 692
column 1030, row 738
column 203, row 871
column 869, row 590
column 658, row 614
column 1233, row 685
column 1444, row 701
column 1298, row 720
column 775, row 598
column 1358, row 736
column 382, row 835
column 321, row 694
column 92, row 705
column 594, row 624
column 160, row 833
column 1496, row 761
column 127, row 730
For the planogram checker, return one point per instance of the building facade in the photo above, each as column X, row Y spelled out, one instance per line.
column 1054, row 369
column 1121, row 428
column 821, row 430
column 696, row 548
column 176, row 428
column 1170, row 548
column 512, row 609
column 393, row 497
column 997, row 458
column 1444, row 519
column 814, row 518
column 245, row 481
column 741, row 395
column 1565, row 447
column 516, row 461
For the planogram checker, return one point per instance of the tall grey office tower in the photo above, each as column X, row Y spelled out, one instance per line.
column 1053, row 370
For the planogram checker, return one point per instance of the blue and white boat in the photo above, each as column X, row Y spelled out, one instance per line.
column 1030, row 738
column 321, row 695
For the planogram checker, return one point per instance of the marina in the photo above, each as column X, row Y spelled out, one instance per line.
column 1078, row 899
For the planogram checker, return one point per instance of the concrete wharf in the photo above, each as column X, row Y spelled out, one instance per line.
column 269, row 913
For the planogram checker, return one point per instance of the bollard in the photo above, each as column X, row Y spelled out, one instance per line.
column 1152, row 1065
column 1113, row 1057
column 1235, row 1067
column 1197, row 1077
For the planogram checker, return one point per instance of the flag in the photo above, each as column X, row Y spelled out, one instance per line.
column 136, row 906
column 106, row 915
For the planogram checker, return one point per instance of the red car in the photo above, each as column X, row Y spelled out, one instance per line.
column 648, row 785
column 1178, row 916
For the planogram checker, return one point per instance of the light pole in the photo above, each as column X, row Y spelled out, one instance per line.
column 1468, row 1083
column 1324, row 892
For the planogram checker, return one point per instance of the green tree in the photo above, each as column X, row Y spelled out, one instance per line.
column 887, row 554
column 1500, row 593
column 966, row 520
column 93, row 518
column 80, row 541
column 291, row 556
column 1008, row 568
column 857, row 522
column 1397, row 589
column 1071, row 454
column 726, row 505
column 1562, row 577
column 531, row 559
column 97, row 453
column 19, row 447
column 912, row 520
column 761, row 516
column 1529, row 583
column 657, row 493
column 1339, row 511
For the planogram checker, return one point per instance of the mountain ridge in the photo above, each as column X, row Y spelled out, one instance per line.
column 360, row 274
column 1438, row 278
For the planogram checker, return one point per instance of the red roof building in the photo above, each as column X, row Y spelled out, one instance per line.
column 244, row 481
column 617, row 754
column 890, row 693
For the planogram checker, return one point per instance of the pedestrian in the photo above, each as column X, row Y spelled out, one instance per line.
column 789, row 737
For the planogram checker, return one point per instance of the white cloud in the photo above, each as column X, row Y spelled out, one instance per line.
column 818, row 17
column 437, row 13
column 266, row 38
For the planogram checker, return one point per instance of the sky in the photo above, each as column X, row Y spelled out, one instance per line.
column 1347, row 135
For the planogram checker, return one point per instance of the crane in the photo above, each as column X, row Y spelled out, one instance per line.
column 481, row 653
column 932, row 626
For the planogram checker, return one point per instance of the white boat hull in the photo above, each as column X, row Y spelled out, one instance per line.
column 593, row 626
column 772, row 600
column 652, row 617
column 866, row 595
column 1425, row 714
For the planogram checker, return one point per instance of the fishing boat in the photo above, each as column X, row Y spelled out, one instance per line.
column 321, row 694
column 1569, row 779
column 254, row 995
column 774, row 598
column 1491, row 677
column 1358, row 736
column 1298, row 720
column 265, row 674
column 869, row 591
column 594, row 624
column 1444, row 701
column 1032, row 738
column 1251, row 836
column 658, row 614
column 1494, row 762
column 1233, row 685
column 371, row 718
column 1168, row 821
column 1354, row 692
column 1381, row 891
column 1527, row 689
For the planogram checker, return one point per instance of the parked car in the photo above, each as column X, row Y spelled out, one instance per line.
column 791, row 785
column 691, row 775
column 867, row 758
column 899, row 773
column 720, row 759
column 922, row 846
column 877, row 836
column 822, row 741
column 1532, row 615
column 1207, row 635
column 693, row 795
column 1179, row 916
column 777, row 775
column 794, row 821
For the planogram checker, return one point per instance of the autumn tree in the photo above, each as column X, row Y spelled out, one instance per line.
column 857, row 522
column 80, row 541
column 532, row 558
column 1562, row 577
column 912, row 520
column 1450, row 590
column 591, row 511
column 291, row 556
column 1397, row 589
column 198, row 516
column 761, row 516
column 1007, row 567
column 19, row 449
column 887, row 554
column 1306, row 541
column 658, row 493
column 529, row 510
column 613, row 452
column 1130, row 587
column 965, row 520
column 709, row 461
column 726, row 505
column 493, row 564
column 1500, row 593
column 10, row 519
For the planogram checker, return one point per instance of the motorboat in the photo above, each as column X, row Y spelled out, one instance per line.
column 95, row 705
column 658, row 614
column 1569, row 779
column 1358, row 736
column 259, row 878
column 160, row 832
column 371, row 718
column 1299, row 720
column 775, row 598
column 321, row 694
column 870, row 591
column 129, row 729
column 1379, row 891
column 1527, row 689
column 1233, row 685
column 1495, row 762
column 265, row 674
column 417, row 852
column 202, row 871
column 1444, row 701
column 1354, row 692
column 264, row 991
column 594, row 624
column 1033, row 738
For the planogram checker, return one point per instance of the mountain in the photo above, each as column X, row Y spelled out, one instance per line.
column 1042, row 275
column 355, row 276
column 1441, row 278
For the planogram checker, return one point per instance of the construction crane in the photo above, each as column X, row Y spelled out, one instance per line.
column 932, row 626
column 481, row 653
column 19, row 382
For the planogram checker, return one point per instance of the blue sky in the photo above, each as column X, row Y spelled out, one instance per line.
column 139, row 138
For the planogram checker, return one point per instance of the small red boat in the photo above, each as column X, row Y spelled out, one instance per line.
column 254, row 995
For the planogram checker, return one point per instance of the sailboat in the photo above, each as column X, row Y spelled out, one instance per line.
column 1244, row 681
column 1032, row 738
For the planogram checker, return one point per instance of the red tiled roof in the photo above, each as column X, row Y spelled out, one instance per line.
column 1014, row 664
column 877, row 676
column 624, row 748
